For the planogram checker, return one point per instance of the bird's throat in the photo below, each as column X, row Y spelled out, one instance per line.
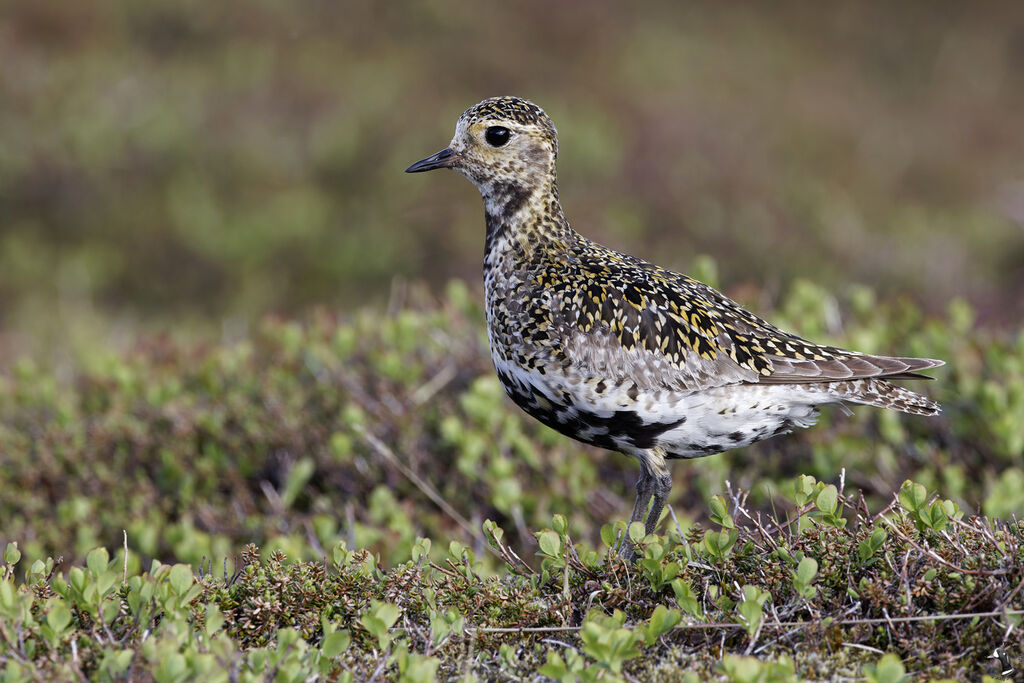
column 502, row 201
column 522, row 219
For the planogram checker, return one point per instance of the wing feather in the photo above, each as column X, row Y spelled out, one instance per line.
column 626, row 320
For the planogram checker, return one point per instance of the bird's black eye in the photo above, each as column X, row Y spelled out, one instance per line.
column 497, row 136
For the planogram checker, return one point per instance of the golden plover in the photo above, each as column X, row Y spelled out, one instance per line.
column 620, row 353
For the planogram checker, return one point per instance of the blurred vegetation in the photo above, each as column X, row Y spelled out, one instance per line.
column 207, row 163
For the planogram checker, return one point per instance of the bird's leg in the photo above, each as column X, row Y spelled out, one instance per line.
column 661, row 484
column 644, row 491
column 654, row 483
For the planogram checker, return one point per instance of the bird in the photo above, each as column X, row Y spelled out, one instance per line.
column 619, row 353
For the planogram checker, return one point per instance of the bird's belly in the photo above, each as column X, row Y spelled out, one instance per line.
column 620, row 417
column 734, row 416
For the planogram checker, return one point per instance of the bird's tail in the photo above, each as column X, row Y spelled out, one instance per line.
column 873, row 391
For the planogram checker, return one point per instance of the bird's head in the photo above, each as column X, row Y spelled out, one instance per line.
column 504, row 145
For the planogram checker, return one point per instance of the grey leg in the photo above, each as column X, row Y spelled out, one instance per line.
column 654, row 485
column 661, row 485
column 644, row 491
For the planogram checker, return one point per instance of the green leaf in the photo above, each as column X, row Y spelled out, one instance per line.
column 76, row 577
column 105, row 582
column 827, row 500
column 97, row 560
column 741, row 669
column 111, row 608
column 335, row 643
column 870, row 545
column 214, row 619
column 12, row 555
column 180, row 578
column 936, row 516
column 421, row 549
column 751, row 608
column 116, row 661
column 889, row 669
column 952, row 510
column 803, row 576
column 492, row 529
column 720, row 512
column 439, row 628
column 387, row 613
column 173, row 668
column 662, row 621
column 340, row 555
column 912, row 496
column 609, row 536
column 718, row 543
column 550, row 543
column 756, row 594
column 555, row 667
column 375, row 626
column 751, row 613
column 457, row 551
column 58, row 617
column 655, row 551
column 7, row 595
column 803, row 488
column 685, row 598
column 807, row 570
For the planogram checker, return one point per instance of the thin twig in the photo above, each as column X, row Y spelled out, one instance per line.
column 706, row 626
column 426, row 391
column 425, row 487
column 124, row 574
column 863, row 647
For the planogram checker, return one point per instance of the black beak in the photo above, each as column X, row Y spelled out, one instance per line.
column 442, row 159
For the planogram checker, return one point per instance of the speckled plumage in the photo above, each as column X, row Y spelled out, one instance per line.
column 620, row 353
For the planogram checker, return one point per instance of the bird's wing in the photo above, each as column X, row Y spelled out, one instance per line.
column 624, row 319
column 791, row 358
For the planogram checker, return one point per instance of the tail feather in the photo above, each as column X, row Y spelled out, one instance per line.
column 850, row 366
column 883, row 394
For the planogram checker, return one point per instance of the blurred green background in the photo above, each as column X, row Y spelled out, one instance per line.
column 189, row 166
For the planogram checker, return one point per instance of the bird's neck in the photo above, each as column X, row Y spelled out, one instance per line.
column 523, row 219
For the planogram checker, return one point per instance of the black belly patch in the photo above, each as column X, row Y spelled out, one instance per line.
column 622, row 426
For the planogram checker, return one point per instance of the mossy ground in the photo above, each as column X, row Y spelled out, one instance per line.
column 338, row 446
